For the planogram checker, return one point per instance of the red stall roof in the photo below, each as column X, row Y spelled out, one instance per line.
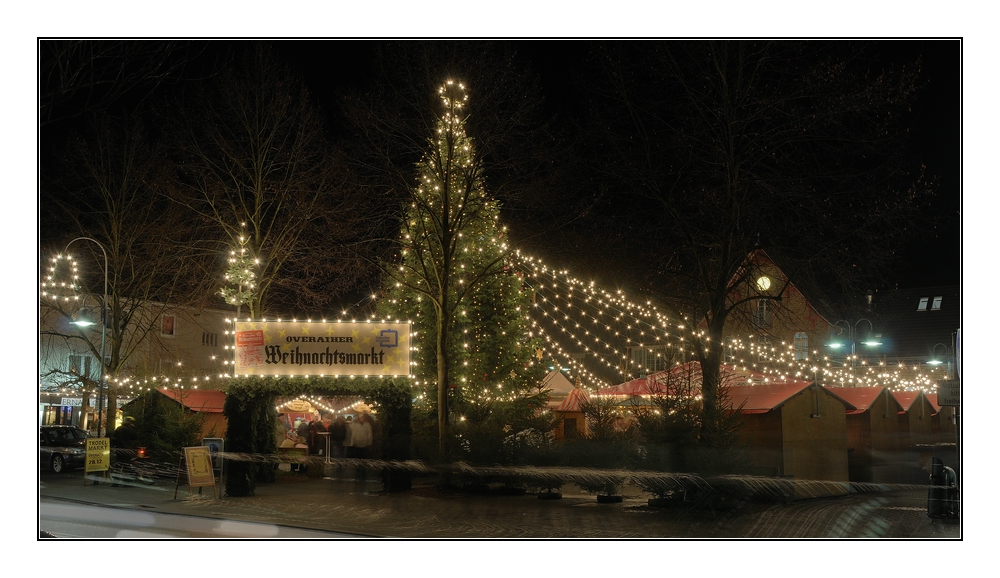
column 684, row 377
column 905, row 398
column 573, row 400
column 764, row 398
column 933, row 398
column 197, row 400
column 860, row 397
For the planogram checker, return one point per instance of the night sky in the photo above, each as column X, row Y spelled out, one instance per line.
column 930, row 260
column 331, row 66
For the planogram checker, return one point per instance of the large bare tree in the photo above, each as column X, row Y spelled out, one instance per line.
column 256, row 165
column 715, row 149
column 103, row 206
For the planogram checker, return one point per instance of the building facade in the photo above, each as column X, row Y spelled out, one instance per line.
column 161, row 346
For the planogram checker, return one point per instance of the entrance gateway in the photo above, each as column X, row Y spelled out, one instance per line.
column 287, row 359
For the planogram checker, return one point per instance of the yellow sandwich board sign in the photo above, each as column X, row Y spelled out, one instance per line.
column 98, row 455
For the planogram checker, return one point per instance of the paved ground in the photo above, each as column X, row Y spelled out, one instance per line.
column 360, row 509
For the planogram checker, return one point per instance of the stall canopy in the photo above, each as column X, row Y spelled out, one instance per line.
column 668, row 382
column 558, row 383
column 573, row 401
column 685, row 379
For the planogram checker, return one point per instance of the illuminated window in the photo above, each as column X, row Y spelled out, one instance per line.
column 648, row 359
column 922, row 306
column 936, row 304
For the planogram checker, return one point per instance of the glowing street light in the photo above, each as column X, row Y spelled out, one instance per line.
column 870, row 340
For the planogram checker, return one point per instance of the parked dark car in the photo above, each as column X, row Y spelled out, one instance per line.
column 62, row 447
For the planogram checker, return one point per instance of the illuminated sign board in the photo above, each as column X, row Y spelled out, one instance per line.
column 320, row 349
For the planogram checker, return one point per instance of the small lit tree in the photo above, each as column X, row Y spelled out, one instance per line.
column 241, row 275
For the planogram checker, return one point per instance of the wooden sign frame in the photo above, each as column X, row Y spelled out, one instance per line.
column 198, row 467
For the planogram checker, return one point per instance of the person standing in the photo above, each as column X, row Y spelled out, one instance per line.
column 361, row 437
column 300, row 464
column 316, row 439
column 361, row 443
column 338, row 434
column 126, row 436
column 281, row 430
column 375, row 450
column 124, row 441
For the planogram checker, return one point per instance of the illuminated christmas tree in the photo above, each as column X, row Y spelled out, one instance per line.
column 241, row 275
column 475, row 367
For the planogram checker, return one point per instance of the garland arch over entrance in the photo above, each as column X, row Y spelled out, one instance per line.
column 250, row 411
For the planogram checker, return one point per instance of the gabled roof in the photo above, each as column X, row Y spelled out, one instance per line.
column 861, row 398
column 197, row 400
column 933, row 398
column 763, row 398
column 768, row 393
column 906, row 398
column 818, row 305
column 557, row 382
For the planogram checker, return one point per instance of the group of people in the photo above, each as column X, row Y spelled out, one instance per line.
column 350, row 436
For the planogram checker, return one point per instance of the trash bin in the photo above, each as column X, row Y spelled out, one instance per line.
column 942, row 495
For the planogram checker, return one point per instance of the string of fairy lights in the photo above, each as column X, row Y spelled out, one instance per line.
column 573, row 315
column 572, row 308
column 582, row 326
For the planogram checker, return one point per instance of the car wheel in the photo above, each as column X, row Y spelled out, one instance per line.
column 58, row 464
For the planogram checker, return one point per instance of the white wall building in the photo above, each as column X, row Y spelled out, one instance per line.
column 163, row 345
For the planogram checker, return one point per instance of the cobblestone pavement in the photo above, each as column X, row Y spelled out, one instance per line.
column 427, row 511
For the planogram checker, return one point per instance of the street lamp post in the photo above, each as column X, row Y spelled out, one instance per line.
column 85, row 322
column 936, row 360
column 852, row 334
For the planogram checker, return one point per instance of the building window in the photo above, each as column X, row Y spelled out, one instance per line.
column 936, row 304
column 762, row 313
column 648, row 359
column 922, row 306
column 80, row 365
column 167, row 326
column 209, row 339
column 801, row 345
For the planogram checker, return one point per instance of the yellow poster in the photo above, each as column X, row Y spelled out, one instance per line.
column 98, row 455
column 199, row 466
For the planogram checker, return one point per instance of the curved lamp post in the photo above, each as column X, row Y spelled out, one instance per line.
column 938, row 359
column 852, row 333
column 85, row 320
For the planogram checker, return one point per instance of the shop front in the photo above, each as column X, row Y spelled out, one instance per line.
column 61, row 409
